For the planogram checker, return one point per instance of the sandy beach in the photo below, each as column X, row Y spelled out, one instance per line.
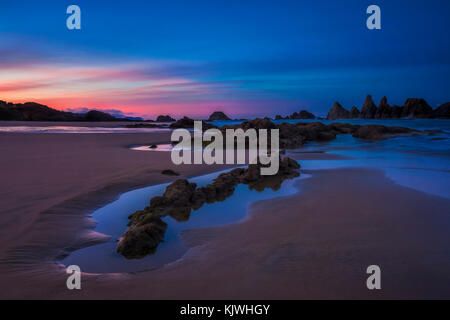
column 314, row 244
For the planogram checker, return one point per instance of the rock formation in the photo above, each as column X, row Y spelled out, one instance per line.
column 384, row 110
column 146, row 227
column 303, row 114
column 217, row 116
column 374, row 132
column 338, row 112
column 355, row 113
column 369, row 109
column 170, row 172
column 416, row 108
column 443, row 111
column 165, row 118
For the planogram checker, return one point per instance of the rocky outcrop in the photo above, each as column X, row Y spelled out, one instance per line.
column 374, row 132
column 165, row 118
column 369, row 109
column 188, row 123
column 443, row 111
column 169, row 172
column 396, row 112
column 384, row 110
column 303, row 114
column 416, row 108
column 338, row 112
column 355, row 113
column 142, row 239
column 146, row 227
column 217, row 116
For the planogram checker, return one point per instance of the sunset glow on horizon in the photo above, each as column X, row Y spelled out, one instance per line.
column 186, row 59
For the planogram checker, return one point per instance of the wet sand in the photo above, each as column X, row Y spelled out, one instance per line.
column 315, row 244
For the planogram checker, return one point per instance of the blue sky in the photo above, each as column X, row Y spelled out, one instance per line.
column 245, row 57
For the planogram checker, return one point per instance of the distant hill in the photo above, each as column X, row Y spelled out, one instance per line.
column 31, row 111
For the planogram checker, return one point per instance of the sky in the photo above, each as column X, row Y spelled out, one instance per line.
column 247, row 58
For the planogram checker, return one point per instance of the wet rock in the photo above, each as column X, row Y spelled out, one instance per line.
column 142, row 240
column 258, row 123
column 343, row 128
column 338, row 112
column 179, row 192
column 169, row 172
column 377, row 132
column 146, row 228
column 303, row 114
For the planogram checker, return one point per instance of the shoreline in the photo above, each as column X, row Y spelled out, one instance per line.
column 31, row 272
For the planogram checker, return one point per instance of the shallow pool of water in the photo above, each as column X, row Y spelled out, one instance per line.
column 112, row 220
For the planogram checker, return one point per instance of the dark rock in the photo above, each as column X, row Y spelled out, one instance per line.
column 169, row 172
column 179, row 192
column 188, row 123
column 354, row 113
column 343, row 128
column 146, row 228
column 153, row 146
column 258, row 123
column 338, row 112
column 141, row 240
column 165, row 118
column 184, row 122
column 218, row 115
column 384, row 111
column 303, row 114
column 145, row 125
column 374, row 132
column 443, row 111
column 396, row 112
column 369, row 109
column 95, row 115
column 416, row 108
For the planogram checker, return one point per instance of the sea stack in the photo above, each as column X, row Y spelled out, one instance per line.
column 416, row 108
column 354, row 113
column 384, row 110
column 369, row 109
column 443, row 111
column 218, row 115
column 338, row 112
